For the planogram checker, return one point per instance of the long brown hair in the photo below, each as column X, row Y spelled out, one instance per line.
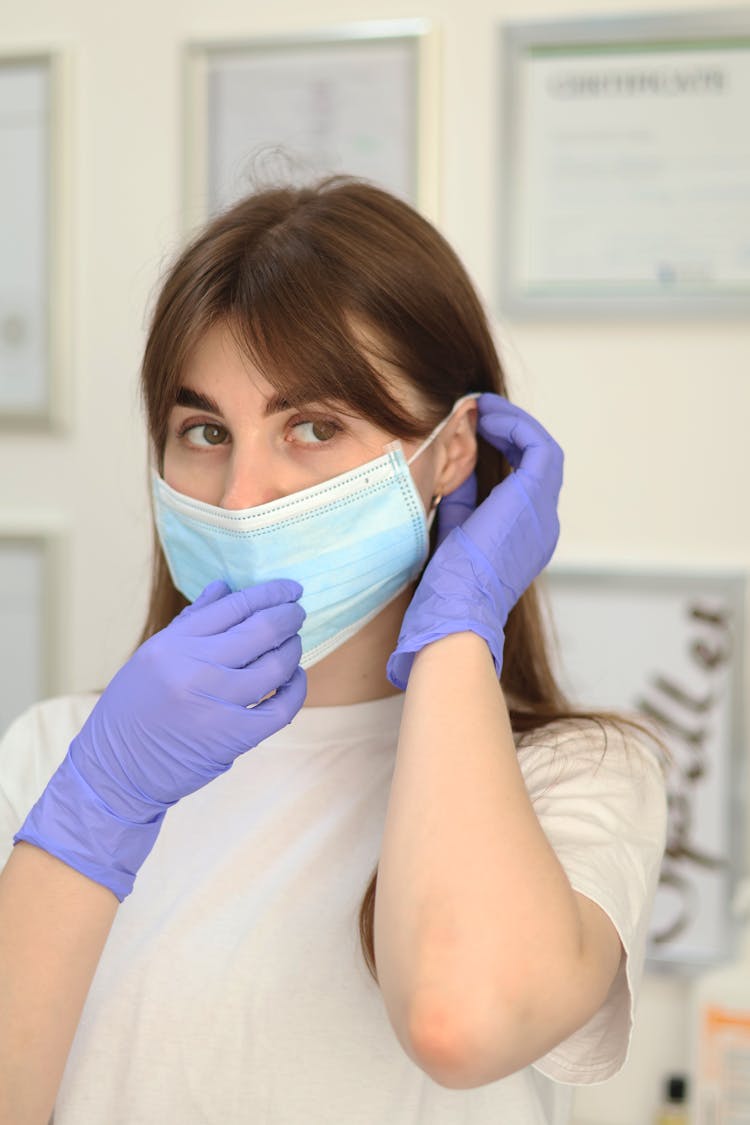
column 296, row 273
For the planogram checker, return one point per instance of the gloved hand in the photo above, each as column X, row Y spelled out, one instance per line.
column 487, row 558
column 185, row 705
column 456, row 507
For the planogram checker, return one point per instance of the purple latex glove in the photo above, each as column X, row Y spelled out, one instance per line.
column 489, row 556
column 185, row 705
column 456, row 507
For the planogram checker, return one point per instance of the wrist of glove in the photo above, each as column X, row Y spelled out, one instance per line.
column 459, row 592
column 72, row 822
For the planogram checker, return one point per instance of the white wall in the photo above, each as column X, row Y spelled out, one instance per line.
column 653, row 416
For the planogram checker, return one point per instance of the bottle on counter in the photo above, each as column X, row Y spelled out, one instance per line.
column 721, row 1036
column 674, row 1108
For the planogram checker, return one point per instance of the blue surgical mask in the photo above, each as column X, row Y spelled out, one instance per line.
column 354, row 543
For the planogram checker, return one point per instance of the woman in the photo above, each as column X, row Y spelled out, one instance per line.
column 318, row 375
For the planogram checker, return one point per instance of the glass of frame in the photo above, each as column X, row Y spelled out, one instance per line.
column 358, row 99
column 626, row 166
column 33, row 297
column 667, row 648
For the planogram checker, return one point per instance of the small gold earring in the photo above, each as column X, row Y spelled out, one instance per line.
column 435, row 501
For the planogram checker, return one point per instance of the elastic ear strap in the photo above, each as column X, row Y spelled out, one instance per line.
column 441, row 425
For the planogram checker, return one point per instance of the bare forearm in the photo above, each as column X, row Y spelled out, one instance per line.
column 478, row 933
column 54, row 923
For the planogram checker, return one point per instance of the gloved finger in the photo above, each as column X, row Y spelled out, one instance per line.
column 519, row 436
column 499, row 417
column 247, row 686
column 250, row 639
column 207, row 596
column 251, row 726
column 221, row 615
column 456, row 506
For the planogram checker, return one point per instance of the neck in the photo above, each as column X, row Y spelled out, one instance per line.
column 355, row 672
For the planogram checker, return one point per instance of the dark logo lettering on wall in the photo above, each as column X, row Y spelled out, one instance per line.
column 688, row 716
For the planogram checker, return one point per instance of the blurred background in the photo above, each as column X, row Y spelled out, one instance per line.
column 650, row 403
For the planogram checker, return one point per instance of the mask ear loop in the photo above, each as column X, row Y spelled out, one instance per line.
column 441, row 426
column 395, row 446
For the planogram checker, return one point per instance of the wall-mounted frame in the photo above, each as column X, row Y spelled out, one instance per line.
column 28, row 633
column 359, row 99
column 625, row 166
column 668, row 647
column 34, row 228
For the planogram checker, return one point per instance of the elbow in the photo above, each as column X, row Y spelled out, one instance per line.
column 453, row 1049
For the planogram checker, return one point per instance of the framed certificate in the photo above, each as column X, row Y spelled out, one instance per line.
column 33, row 225
column 358, row 99
column 666, row 648
column 625, row 166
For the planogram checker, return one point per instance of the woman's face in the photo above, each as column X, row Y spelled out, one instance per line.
column 233, row 443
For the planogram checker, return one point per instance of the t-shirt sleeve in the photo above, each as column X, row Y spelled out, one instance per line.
column 31, row 749
column 599, row 793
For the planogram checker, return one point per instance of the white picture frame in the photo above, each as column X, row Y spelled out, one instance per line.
column 34, row 234
column 358, row 99
column 29, row 564
column 668, row 648
column 625, row 166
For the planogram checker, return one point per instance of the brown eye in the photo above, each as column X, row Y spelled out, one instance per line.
column 316, row 433
column 214, row 435
column 207, row 433
column 324, row 431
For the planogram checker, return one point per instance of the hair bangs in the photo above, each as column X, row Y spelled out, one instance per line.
column 291, row 318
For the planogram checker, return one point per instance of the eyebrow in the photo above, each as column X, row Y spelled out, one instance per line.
column 186, row 397
column 276, row 404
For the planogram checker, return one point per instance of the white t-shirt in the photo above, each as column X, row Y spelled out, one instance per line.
column 232, row 988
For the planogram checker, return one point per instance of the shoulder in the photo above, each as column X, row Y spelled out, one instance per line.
column 598, row 789
column 609, row 752
column 50, row 716
column 35, row 743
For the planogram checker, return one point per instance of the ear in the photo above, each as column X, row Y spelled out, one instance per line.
column 458, row 445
